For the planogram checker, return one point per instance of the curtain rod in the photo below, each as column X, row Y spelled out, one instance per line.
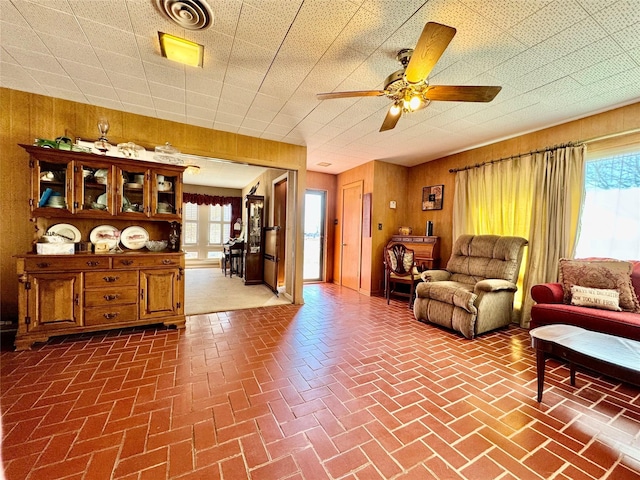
column 542, row 150
column 611, row 135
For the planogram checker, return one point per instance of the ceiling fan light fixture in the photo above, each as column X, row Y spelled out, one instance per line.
column 396, row 108
column 415, row 102
column 180, row 50
column 192, row 170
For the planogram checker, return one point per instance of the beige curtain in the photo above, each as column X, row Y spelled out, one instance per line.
column 535, row 196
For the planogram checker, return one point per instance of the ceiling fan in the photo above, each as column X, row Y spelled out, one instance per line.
column 409, row 87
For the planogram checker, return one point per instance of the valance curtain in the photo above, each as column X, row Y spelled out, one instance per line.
column 203, row 199
column 536, row 196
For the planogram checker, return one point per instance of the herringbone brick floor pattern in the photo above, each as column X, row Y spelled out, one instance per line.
column 344, row 387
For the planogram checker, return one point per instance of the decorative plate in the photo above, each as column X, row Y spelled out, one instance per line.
column 134, row 237
column 66, row 231
column 105, row 233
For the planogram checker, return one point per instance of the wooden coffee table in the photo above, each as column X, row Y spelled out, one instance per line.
column 606, row 354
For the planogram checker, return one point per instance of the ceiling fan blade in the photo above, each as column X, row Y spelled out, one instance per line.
column 354, row 93
column 433, row 41
column 390, row 120
column 463, row 93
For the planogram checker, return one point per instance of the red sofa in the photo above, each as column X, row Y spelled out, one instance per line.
column 550, row 309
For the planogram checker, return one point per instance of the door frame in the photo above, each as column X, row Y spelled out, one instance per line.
column 290, row 232
column 323, row 234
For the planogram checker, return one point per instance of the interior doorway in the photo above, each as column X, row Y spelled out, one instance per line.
column 314, row 235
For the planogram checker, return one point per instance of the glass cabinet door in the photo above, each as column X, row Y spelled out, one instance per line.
column 255, row 225
column 93, row 189
column 253, row 255
column 165, row 193
column 133, row 199
column 53, row 185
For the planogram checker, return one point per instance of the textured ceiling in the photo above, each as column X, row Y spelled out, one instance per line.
column 266, row 59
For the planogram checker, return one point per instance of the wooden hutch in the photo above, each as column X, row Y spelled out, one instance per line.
column 87, row 291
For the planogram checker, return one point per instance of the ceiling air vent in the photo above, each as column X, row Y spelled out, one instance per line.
column 189, row 14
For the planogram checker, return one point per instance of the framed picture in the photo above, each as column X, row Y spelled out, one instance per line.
column 432, row 197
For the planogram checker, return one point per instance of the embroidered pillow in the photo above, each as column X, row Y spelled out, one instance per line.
column 606, row 274
column 407, row 261
column 595, row 297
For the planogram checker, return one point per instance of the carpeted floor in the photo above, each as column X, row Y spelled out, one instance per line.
column 207, row 290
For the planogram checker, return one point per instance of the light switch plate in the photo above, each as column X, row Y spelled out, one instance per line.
column 392, row 204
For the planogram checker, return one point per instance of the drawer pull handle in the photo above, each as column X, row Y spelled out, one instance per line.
column 166, row 261
column 91, row 263
column 110, row 279
column 77, row 299
column 110, row 316
column 108, row 298
column 126, row 262
column 43, row 265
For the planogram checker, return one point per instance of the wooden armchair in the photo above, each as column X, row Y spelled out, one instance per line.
column 400, row 268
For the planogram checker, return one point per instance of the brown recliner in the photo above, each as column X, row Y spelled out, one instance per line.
column 475, row 292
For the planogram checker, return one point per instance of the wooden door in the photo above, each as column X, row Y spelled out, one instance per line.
column 280, row 220
column 159, row 292
column 54, row 301
column 351, row 235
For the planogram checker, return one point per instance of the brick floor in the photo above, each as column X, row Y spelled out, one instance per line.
column 344, row 387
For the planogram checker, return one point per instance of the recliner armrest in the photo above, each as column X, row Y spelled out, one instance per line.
column 494, row 285
column 547, row 293
column 435, row 275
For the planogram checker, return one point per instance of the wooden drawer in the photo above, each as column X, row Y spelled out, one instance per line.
column 110, row 278
column 108, row 316
column 147, row 261
column 46, row 263
column 110, row 296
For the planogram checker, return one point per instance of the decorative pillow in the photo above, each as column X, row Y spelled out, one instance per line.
column 407, row 261
column 611, row 275
column 595, row 297
column 393, row 261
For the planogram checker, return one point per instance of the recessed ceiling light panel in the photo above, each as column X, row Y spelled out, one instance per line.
column 189, row 14
column 181, row 50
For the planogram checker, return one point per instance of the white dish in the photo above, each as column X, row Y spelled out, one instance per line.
column 102, row 200
column 134, row 186
column 134, row 237
column 65, row 230
column 104, row 234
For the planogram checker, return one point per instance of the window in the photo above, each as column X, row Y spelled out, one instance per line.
column 190, row 224
column 610, row 220
column 219, row 224
column 204, row 229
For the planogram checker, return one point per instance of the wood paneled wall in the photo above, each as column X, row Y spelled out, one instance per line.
column 27, row 116
column 327, row 183
column 390, row 184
